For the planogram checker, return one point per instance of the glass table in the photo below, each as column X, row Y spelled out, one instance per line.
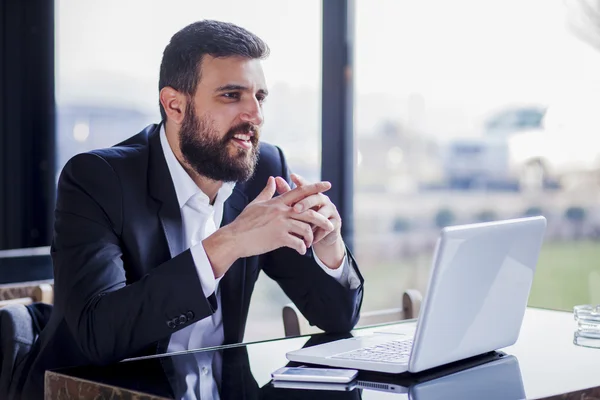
column 544, row 363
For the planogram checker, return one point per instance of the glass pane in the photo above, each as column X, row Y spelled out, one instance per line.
column 472, row 111
column 108, row 56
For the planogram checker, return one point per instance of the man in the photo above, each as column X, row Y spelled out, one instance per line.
column 140, row 266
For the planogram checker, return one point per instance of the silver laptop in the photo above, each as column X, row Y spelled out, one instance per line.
column 475, row 303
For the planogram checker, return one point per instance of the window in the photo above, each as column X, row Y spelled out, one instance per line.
column 107, row 61
column 431, row 78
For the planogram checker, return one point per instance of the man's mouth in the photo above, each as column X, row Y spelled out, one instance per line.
column 243, row 140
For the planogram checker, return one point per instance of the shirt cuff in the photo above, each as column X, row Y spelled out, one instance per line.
column 353, row 279
column 205, row 272
column 337, row 273
column 345, row 274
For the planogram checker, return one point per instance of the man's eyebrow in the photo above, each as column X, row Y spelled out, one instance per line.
column 231, row 87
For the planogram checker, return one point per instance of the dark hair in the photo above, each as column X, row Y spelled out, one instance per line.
column 180, row 66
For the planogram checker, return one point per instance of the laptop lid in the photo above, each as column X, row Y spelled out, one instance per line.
column 478, row 290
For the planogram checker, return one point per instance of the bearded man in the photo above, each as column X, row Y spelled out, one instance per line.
column 158, row 241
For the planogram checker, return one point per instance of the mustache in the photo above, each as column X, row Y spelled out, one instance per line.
column 244, row 127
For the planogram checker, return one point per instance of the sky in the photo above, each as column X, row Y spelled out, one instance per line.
column 441, row 65
column 127, row 37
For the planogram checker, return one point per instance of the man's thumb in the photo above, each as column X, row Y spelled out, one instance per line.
column 268, row 192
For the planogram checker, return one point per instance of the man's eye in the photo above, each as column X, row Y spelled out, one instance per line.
column 231, row 95
column 261, row 99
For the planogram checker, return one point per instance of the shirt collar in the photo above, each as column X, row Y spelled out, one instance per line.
column 185, row 187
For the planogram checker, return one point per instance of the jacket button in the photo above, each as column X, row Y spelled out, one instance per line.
column 171, row 324
column 189, row 315
column 182, row 319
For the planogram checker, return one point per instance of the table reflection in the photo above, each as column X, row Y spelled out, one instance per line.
column 227, row 374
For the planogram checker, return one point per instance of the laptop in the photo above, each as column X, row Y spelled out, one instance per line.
column 475, row 302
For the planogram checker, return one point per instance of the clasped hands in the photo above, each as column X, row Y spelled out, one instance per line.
column 299, row 218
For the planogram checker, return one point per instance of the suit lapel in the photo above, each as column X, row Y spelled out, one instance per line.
column 232, row 286
column 163, row 191
column 170, row 218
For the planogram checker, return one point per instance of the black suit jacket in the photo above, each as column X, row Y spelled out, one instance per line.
column 123, row 280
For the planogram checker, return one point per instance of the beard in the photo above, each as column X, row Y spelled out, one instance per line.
column 210, row 155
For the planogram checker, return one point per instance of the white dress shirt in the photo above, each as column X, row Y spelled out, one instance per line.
column 200, row 219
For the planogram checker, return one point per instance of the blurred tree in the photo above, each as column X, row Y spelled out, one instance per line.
column 486, row 216
column 444, row 217
column 533, row 212
column 576, row 216
column 401, row 224
column 389, row 128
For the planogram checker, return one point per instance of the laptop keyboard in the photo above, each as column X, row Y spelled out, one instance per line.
column 396, row 351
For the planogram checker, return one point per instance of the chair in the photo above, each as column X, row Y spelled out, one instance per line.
column 294, row 324
column 20, row 326
column 26, row 293
column 25, row 308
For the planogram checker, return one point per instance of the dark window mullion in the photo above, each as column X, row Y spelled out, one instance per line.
column 337, row 143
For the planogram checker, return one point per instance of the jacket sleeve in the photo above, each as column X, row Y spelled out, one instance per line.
column 322, row 300
column 109, row 319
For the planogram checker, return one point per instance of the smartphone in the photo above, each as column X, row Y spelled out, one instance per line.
column 332, row 387
column 305, row 374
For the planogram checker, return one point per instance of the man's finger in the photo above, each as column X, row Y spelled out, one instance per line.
column 282, row 185
column 301, row 230
column 315, row 219
column 268, row 192
column 310, row 202
column 296, row 243
column 299, row 193
column 320, row 234
column 298, row 180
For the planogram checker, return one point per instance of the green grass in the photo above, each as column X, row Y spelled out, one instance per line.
column 568, row 274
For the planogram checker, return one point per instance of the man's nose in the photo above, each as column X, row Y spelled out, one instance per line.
column 252, row 113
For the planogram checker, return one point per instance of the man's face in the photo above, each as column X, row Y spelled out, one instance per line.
column 219, row 134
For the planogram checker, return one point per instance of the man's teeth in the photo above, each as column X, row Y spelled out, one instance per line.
column 242, row 137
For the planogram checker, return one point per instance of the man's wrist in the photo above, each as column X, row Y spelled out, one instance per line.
column 333, row 255
column 221, row 250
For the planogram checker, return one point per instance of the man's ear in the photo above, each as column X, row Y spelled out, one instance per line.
column 174, row 103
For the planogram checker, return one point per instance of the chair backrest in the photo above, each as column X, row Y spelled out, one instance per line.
column 294, row 323
column 16, row 338
column 26, row 293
